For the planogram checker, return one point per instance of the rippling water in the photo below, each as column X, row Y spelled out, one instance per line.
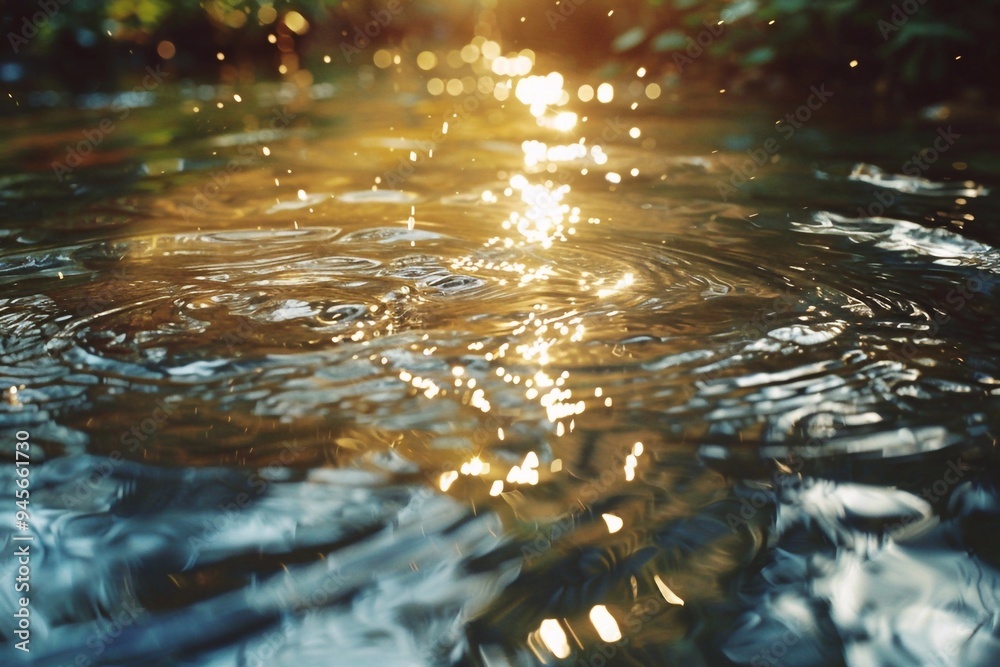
column 315, row 382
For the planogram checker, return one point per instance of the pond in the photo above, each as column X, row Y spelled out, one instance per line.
column 506, row 368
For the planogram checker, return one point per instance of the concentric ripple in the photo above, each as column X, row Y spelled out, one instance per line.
column 544, row 398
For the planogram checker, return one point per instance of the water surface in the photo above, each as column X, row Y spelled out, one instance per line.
column 312, row 379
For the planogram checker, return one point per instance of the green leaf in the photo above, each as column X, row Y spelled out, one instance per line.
column 912, row 30
column 790, row 6
column 629, row 39
column 759, row 56
column 669, row 40
column 738, row 10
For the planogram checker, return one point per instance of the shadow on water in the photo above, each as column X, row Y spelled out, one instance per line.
column 608, row 391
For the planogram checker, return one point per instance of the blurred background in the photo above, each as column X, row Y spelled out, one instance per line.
column 502, row 332
column 900, row 51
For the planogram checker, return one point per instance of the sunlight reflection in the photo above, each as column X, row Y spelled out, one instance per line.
column 541, row 217
column 475, row 467
column 626, row 281
column 614, row 522
column 668, row 595
column 632, row 461
column 526, row 473
column 541, row 92
column 605, row 624
column 564, row 121
column 547, row 219
column 447, row 479
column 554, row 638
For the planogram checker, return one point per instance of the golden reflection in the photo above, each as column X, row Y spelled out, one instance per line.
column 266, row 14
column 668, row 595
column 632, row 461
column 490, row 50
column 526, row 473
column 469, row 54
column 625, row 282
column 427, row 60
column 615, row 523
column 475, row 467
column 382, row 59
column 541, row 92
column 296, row 23
column 447, row 479
column 537, row 152
column 547, row 219
column 554, row 638
column 563, row 121
column 516, row 66
column 539, row 217
column 605, row 624
column 435, row 86
column 429, row 388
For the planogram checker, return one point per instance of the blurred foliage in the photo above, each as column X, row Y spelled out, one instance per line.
column 88, row 44
column 907, row 47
